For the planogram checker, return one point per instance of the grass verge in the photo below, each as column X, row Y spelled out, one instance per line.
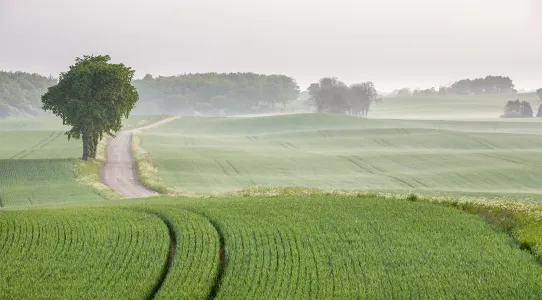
column 87, row 174
column 522, row 223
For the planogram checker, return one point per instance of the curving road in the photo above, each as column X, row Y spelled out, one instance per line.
column 119, row 169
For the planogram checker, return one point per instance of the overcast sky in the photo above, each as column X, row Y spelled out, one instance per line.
column 394, row 43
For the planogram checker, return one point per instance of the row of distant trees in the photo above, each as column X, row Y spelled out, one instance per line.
column 207, row 93
column 331, row 95
column 215, row 93
column 487, row 85
column 20, row 93
column 521, row 109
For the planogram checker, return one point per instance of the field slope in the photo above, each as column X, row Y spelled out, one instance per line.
column 449, row 107
column 73, row 254
column 205, row 155
column 318, row 247
column 36, row 162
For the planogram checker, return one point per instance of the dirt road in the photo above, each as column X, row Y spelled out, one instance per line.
column 119, row 170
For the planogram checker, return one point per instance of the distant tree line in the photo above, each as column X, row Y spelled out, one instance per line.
column 215, row 93
column 487, row 85
column 206, row 93
column 20, row 93
column 331, row 95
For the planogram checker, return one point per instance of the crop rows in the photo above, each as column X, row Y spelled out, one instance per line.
column 71, row 254
column 344, row 248
column 194, row 267
column 261, row 248
column 200, row 155
column 39, row 181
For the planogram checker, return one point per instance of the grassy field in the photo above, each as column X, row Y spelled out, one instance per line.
column 43, row 138
column 448, row 107
column 77, row 253
column 200, row 155
column 268, row 248
column 35, row 162
column 62, row 239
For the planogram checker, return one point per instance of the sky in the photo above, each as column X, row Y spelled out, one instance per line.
column 394, row 43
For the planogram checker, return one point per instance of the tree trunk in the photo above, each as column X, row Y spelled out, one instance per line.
column 96, row 142
column 94, row 139
column 86, row 146
column 92, row 150
column 92, row 146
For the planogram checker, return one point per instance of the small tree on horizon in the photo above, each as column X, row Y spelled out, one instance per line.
column 517, row 109
column 539, row 93
column 92, row 97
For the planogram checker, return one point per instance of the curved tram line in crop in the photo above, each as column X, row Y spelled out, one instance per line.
column 196, row 256
column 267, row 248
column 79, row 253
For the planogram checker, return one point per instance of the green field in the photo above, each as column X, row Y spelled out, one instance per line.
column 36, row 165
column 329, row 152
column 448, row 107
column 274, row 248
column 43, row 138
column 60, row 239
column 77, row 253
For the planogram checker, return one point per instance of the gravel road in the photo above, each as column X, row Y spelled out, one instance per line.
column 119, row 170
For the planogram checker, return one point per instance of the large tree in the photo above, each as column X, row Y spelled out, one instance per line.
column 517, row 109
column 331, row 95
column 362, row 95
column 92, row 97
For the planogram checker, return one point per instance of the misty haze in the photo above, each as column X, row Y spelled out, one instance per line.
column 270, row 150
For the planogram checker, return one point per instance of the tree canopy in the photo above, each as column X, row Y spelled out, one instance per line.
column 331, row 95
column 488, row 85
column 20, row 93
column 92, row 97
column 517, row 109
column 209, row 93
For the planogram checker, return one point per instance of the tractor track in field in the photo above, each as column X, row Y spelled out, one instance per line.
column 42, row 143
column 215, row 288
column 221, row 259
column 119, row 169
column 171, row 253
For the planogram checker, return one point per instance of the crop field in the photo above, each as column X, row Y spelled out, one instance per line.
column 195, row 264
column 267, row 248
column 76, row 244
column 448, row 107
column 35, row 165
column 202, row 155
column 43, row 138
column 73, row 254
column 41, row 181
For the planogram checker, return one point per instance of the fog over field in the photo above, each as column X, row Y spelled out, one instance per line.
column 286, row 149
column 394, row 43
